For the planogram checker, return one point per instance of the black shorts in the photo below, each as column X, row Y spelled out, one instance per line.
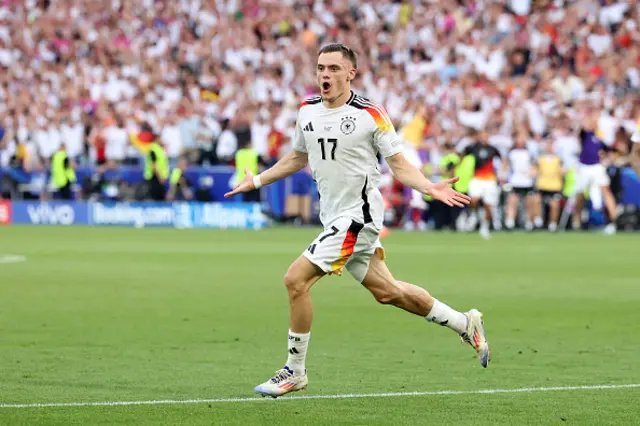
column 64, row 193
column 523, row 191
column 551, row 195
column 157, row 191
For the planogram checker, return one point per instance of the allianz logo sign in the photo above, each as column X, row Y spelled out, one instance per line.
column 45, row 214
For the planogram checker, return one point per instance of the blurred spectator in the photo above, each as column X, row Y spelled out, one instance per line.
column 549, row 184
column 156, row 171
column 171, row 138
column 180, row 188
column 63, row 175
column 116, row 141
column 520, row 162
column 248, row 158
column 227, row 143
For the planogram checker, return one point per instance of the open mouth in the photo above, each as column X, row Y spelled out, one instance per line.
column 326, row 86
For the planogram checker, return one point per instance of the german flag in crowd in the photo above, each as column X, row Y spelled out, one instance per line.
column 209, row 95
column 142, row 140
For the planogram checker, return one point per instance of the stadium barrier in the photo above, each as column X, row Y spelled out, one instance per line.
column 176, row 215
column 216, row 180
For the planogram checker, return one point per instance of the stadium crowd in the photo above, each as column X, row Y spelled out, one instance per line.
column 204, row 77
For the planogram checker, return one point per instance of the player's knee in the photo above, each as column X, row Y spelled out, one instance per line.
column 290, row 280
column 295, row 286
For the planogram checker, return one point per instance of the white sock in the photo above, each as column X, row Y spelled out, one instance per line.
column 298, row 351
column 442, row 314
column 510, row 223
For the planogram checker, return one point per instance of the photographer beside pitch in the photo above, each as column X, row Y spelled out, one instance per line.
column 338, row 134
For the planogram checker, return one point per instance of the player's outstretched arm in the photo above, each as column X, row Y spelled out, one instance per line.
column 289, row 164
column 410, row 176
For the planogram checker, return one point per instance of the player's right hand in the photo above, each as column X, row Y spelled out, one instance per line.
column 443, row 191
column 245, row 186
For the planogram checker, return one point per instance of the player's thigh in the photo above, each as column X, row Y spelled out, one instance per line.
column 368, row 246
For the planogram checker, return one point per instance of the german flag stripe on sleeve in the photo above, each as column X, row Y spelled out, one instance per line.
column 379, row 108
column 377, row 112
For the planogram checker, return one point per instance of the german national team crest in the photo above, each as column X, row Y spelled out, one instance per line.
column 348, row 125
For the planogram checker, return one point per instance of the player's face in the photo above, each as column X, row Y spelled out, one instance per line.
column 334, row 74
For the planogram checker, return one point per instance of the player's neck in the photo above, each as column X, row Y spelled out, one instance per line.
column 338, row 101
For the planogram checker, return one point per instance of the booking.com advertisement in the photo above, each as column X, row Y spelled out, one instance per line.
column 139, row 215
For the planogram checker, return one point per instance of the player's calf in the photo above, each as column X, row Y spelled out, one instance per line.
column 405, row 296
column 387, row 296
column 388, row 291
column 381, row 283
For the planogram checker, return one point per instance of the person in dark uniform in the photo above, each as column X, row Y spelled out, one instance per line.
column 484, row 184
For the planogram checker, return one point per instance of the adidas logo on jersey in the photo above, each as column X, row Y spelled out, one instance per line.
column 308, row 127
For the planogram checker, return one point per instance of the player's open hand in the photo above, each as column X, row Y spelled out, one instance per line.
column 245, row 186
column 444, row 192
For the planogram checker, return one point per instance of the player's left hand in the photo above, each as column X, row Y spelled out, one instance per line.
column 444, row 192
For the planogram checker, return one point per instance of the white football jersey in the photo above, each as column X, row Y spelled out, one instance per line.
column 342, row 144
column 520, row 162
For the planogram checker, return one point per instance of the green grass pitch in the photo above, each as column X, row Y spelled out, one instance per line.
column 114, row 314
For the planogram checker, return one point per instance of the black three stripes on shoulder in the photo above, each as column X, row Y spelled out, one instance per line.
column 311, row 101
column 360, row 102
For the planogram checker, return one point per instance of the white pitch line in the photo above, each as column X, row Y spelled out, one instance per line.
column 10, row 258
column 339, row 396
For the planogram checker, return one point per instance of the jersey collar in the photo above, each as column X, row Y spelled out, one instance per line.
column 351, row 98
